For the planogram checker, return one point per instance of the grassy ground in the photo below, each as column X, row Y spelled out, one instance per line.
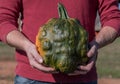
column 108, row 63
column 6, row 52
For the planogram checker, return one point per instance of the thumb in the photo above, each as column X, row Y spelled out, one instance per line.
column 92, row 51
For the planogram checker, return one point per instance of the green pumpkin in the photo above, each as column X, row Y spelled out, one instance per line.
column 62, row 42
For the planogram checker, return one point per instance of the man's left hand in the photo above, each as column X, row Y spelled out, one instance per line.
column 92, row 54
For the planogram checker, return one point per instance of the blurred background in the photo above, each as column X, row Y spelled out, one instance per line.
column 108, row 63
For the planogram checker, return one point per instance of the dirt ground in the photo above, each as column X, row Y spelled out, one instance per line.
column 7, row 74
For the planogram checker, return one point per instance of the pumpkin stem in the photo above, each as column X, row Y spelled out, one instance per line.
column 62, row 11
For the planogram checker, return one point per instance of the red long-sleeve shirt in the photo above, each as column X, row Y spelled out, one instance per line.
column 36, row 12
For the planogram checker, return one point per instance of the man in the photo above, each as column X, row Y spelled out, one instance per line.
column 35, row 13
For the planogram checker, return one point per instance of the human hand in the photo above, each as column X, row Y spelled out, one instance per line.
column 92, row 54
column 36, row 60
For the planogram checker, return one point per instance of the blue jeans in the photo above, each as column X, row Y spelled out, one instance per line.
column 22, row 80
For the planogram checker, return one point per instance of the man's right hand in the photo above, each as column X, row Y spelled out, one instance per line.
column 19, row 41
column 36, row 60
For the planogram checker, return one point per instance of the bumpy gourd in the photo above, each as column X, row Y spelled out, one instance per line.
column 62, row 42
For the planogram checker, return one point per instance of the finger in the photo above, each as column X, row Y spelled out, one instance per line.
column 43, row 68
column 39, row 66
column 87, row 67
column 83, row 69
column 37, row 57
column 91, row 51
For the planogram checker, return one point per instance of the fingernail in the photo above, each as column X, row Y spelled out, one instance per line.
column 40, row 60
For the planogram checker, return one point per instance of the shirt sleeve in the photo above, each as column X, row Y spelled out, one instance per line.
column 9, row 13
column 109, row 14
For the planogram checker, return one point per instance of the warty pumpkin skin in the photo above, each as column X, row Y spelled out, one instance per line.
column 62, row 42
